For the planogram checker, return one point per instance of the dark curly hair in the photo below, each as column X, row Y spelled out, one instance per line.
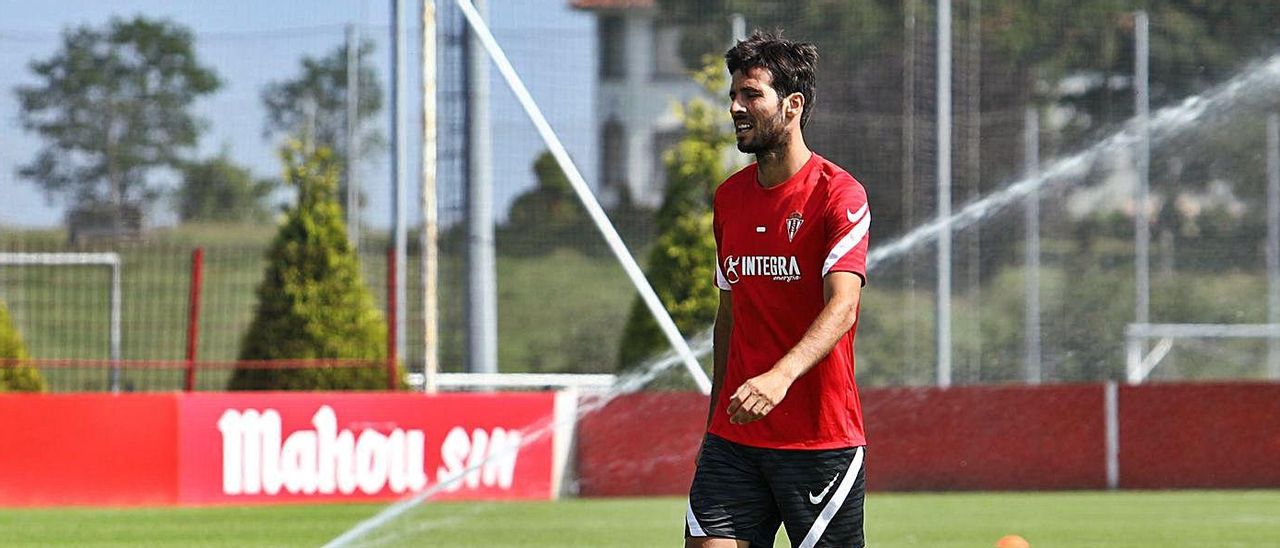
column 792, row 64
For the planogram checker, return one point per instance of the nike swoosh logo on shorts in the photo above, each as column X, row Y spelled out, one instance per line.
column 818, row 498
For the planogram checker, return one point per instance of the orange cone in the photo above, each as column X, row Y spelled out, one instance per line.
column 1012, row 541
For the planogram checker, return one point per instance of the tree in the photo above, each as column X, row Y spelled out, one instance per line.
column 217, row 189
column 547, row 216
column 112, row 105
column 312, row 303
column 313, row 104
column 13, row 375
column 681, row 264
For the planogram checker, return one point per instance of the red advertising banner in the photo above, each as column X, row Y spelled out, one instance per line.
column 986, row 438
column 963, row 438
column 88, row 449
column 641, row 444
column 1213, row 435
column 295, row 447
column 273, row 447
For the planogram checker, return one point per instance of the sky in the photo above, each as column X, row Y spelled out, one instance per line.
column 250, row 43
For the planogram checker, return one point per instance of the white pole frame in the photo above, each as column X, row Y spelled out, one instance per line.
column 481, row 256
column 943, row 319
column 588, row 199
column 430, row 211
column 352, row 137
column 1142, row 153
column 1139, row 366
column 1273, row 240
column 111, row 260
column 1111, row 426
column 533, row 381
column 1032, row 369
column 399, row 169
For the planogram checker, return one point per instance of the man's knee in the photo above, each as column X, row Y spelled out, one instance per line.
column 714, row 542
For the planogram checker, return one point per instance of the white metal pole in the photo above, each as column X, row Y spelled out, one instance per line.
column 353, row 147
column 1273, row 241
column 943, row 319
column 589, row 201
column 1111, row 420
column 1142, row 226
column 482, row 306
column 1205, row 330
column 430, row 211
column 116, row 317
column 1031, row 161
column 400, row 168
column 1133, row 344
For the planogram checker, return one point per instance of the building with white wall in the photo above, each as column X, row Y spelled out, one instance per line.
column 641, row 75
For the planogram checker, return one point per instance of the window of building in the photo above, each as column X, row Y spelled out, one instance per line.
column 667, row 63
column 612, row 46
column 663, row 142
column 613, row 160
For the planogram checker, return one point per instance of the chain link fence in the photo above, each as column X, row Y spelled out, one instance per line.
column 1043, row 105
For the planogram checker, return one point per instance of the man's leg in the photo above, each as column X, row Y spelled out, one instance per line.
column 820, row 495
column 730, row 503
column 711, row 542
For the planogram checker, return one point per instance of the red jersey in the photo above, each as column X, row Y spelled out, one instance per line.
column 774, row 246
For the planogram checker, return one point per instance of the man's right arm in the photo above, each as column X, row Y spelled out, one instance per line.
column 720, row 346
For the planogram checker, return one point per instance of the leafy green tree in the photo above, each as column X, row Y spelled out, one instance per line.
column 547, row 216
column 312, row 303
column 14, row 376
column 113, row 105
column 217, row 189
column 313, row 104
column 681, row 264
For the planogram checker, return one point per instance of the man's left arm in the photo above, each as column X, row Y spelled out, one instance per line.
column 760, row 394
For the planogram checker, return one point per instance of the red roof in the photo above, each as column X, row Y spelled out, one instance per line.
column 611, row 4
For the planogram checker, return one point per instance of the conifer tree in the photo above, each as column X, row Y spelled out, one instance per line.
column 312, row 303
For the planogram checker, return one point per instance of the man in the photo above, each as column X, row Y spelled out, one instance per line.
column 784, row 443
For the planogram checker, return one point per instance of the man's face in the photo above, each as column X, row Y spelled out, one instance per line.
column 759, row 122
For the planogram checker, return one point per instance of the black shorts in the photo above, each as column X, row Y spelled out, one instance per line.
column 746, row 493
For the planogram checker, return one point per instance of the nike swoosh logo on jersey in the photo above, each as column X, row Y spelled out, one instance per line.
column 817, row 499
column 853, row 217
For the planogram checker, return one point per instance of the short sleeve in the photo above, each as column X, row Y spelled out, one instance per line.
column 848, row 222
column 717, row 229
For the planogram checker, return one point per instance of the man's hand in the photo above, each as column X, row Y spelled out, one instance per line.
column 757, row 397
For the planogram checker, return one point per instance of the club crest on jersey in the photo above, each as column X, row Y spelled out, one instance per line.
column 794, row 220
column 777, row 268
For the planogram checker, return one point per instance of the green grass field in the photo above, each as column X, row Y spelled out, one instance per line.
column 1166, row 519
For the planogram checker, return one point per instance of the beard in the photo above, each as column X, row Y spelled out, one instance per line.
column 766, row 135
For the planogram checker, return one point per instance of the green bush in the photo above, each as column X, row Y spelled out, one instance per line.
column 312, row 303
column 681, row 268
column 18, row 378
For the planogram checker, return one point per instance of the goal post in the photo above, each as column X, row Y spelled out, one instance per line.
column 1139, row 364
column 110, row 260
